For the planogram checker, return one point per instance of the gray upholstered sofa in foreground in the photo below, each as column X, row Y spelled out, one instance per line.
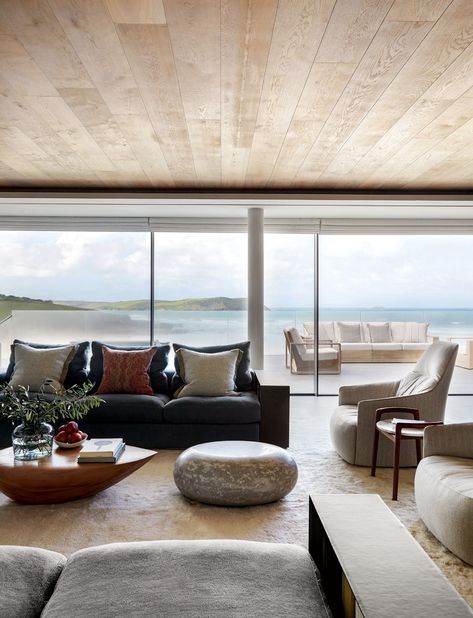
column 444, row 486
column 178, row 579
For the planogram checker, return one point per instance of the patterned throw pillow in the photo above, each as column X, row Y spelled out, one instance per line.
column 207, row 375
column 126, row 371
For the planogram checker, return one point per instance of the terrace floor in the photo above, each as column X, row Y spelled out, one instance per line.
column 355, row 373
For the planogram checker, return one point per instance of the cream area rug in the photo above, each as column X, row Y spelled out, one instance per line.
column 147, row 505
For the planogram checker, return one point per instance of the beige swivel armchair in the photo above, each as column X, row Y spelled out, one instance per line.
column 444, row 486
column 425, row 388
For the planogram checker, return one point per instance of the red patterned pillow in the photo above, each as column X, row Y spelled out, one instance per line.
column 126, row 371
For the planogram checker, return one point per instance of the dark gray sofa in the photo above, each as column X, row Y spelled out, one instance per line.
column 233, row 579
column 260, row 412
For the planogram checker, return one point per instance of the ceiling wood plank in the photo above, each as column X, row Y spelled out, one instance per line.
column 352, row 27
column 149, row 52
column 42, row 36
column 298, row 30
column 137, row 11
column 246, row 28
column 194, row 28
column 447, row 40
column 392, row 46
column 417, row 10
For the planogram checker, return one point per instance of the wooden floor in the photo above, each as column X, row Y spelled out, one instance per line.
column 357, row 373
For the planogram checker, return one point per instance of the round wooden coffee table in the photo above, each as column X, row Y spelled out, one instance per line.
column 59, row 478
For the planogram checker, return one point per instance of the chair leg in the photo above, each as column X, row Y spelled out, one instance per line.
column 418, row 450
column 374, row 456
column 397, row 451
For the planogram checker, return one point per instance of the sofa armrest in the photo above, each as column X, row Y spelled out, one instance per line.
column 455, row 440
column 351, row 395
column 274, row 402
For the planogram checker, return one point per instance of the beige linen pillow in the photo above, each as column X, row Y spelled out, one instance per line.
column 379, row 333
column 207, row 375
column 34, row 366
column 349, row 332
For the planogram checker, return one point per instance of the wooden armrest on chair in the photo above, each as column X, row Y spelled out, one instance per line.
column 396, row 410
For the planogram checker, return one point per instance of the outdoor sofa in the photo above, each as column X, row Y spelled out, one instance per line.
column 374, row 342
column 260, row 411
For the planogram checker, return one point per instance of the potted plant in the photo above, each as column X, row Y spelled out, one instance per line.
column 36, row 412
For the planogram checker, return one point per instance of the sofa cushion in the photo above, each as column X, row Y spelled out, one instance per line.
column 327, row 331
column 243, row 376
column 158, row 379
column 207, row 375
column 126, row 371
column 415, row 346
column 126, row 408
column 379, row 333
column 357, row 347
column 350, row 332
column 77, row 369
column 186, row 579
column 409, row 332
column 27, row 579
column 33, row 367
column 240, row 409
column 386, row 347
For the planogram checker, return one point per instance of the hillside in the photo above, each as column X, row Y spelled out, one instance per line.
column 16, row 303
column 218, row 303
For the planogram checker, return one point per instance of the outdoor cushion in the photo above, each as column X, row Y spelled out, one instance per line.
column 77, row 370
column 243, row 376
column 415, row 346
column 350, row 332
column 327, row 331
column 187, row 579
column 326, row 353
column 27, row 579
column 379, row 333
column 240, row 409
column 357, row 346
column 386, row 346
column 124, row 408
column 157, row 369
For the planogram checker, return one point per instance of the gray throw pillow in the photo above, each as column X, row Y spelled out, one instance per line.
column 33, row 366
column 207, row 375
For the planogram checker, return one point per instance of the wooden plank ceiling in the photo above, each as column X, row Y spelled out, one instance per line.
column 255, row 94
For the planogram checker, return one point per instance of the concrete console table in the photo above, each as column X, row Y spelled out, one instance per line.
column 371, row 567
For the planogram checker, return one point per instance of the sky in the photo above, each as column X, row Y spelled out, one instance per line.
column 355, row 271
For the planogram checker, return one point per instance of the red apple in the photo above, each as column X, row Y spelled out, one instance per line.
column 84, row 435
column 61, row 436
column 62, row 428
column 75, row 437
column 72, row 427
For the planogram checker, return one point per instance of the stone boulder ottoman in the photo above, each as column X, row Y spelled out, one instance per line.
column 235, row 473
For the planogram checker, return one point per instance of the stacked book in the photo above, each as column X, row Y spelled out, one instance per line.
column 101, row 450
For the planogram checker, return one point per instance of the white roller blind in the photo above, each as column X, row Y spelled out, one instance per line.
column 396, row 226
column 78, row 224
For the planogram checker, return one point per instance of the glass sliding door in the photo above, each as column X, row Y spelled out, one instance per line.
column 386, row 298
column 290, row 310
column 61, row 287
column 200, row 286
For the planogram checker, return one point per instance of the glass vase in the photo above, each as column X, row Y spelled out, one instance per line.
column 32, row 441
